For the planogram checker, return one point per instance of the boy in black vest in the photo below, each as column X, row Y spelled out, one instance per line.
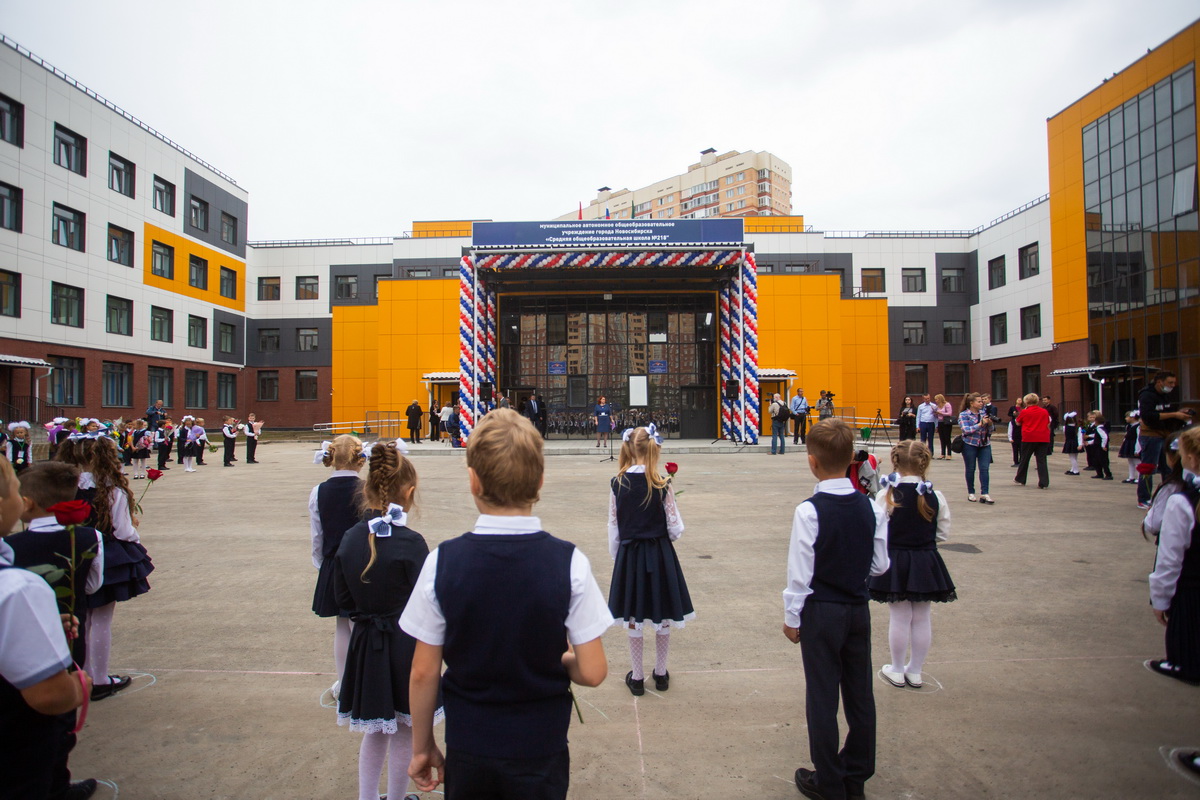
column 839, row 538
column 492, row 603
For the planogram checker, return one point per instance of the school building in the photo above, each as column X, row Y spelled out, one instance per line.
column 126, row 276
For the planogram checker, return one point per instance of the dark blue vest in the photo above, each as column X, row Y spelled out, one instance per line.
column 907, row 529
column 844, row 547
column 1189, row 573
column 505, row 599
column 637, row 519
column 337, row 508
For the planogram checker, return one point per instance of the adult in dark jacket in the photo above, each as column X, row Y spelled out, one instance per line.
column 1158, row 405
column 416, row 419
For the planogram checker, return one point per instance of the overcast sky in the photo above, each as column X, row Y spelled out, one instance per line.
column 356, row 118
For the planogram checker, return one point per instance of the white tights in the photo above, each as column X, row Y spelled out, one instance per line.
column 910, row 625
column 341, row 643
column 1133, row 473
column 99, row 643
column 662, row 646
column 398, row 749
column 1074, row 459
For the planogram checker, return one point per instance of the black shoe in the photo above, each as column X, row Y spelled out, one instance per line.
column 1107, row 477
column 1097, row 477
column 806, row 782
column 103, row 690
column 1188, row 761
column 662, row 682
column 636, row 688
column 855, row 792
column 80, row 790
column 251, row 462
column 1163, row 668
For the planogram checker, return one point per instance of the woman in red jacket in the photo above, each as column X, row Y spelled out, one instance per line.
column 1035, row 440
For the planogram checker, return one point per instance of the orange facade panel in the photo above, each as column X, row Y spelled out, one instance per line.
column 181, row 251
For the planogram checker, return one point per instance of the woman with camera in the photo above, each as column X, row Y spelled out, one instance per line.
column 976, row 428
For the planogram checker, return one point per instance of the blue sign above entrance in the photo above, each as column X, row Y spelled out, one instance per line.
column 607, row 233
column 556, row 368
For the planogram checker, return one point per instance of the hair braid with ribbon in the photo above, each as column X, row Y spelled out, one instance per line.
column 391, row 484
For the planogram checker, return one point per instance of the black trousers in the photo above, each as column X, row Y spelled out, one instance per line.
column 800, row 428
column 34, row 754
column 835, row 644
column 181, row 442
column 164, row 455
column 251, row 449
column 945, row 434
column 1098, row 460
column 230, row 444
column 472, row 777
column 1038, row 451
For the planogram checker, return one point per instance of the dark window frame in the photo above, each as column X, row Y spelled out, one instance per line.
column 197, row 331
column 998, row 334
column 166, row 318
column 949, row 326
column 914, row 332
column 160, row 382
column 308, row 340
column 226, row 337
column 12, row 121
column 229, row 229
column 270, row 289
column 954, row 280
column 75, row 150
column 58, row 299
column 125, row 172
column 10, row 294
column 911, row 372
column 302, row 377
column 268, row 340
column 164, row 196
column 997, row 273
column 226, row 390
column 120, row 245
column 197, row 272
column 123, row 308
column 345, row 287
column 308, row 287
column 68, row 228
column 269, row 379
column 162, row 260
column 13, row 208
column 1031, row 321
column 195, row 389
column 876, row 278
column 116, row 384
column 912, row 280
column 999, row 384
column 228, row 283
column 1028, row 261
column 197, row 213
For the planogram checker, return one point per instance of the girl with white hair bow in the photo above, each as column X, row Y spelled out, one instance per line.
column 17, row 448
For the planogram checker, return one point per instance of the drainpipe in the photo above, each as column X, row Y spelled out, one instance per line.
column 1099, row 391
column 36, row 381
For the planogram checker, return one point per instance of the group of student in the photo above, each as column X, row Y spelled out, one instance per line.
column 81, row 555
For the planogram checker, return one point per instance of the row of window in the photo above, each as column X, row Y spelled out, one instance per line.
column 956, row 380
column 1028, row 265
column 69, row 151
column 954, row 280
column 1031, row 324
column 67, row 385
column 953, row 332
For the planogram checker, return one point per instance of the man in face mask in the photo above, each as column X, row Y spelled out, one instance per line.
column 1161, row 416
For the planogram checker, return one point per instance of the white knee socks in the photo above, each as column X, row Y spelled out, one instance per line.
column 99, row 643
column 341, row 643
column 635, row 654
column 922, row 636
column 397, row 747
column 1133, row 473
column 1074, row 459
column 662, row 643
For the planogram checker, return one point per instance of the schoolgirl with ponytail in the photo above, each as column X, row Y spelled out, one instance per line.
column 918, row 518
column 377, row 565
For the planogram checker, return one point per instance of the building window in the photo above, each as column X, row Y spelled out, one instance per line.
column 68, row 227
column 308, row 287
column 164, row 196
column 162, row 324
column 957, row 378
column 11, row 202
column 916, row 378
column 66, row 381
column 954, row 331
column 415, row 272
column 306, row 340
column 10, row 293
column 999, row 384
column 999, row 327
column 195, row 389
column 70, row 150
column 12, row 121
column 1027, row 261
column 197, row 331
column 66, row 305
column 306, row 384
column 120, row 246
column 229, row 226
column 162, row 260
column 1031, row 380
column 996, row 274
column 346, row 287
column 161, row 381
column 912, row 280
column 268, row 340
column 226, row 333
column 954, row 280
column 197, row 213
column 117, row 386
column 198, row 272
column 268, row 288
column 226, row 390
column 872, row 281
column 268, row 384
column 914, row 331
column 119, row 316
column 121, row 173
column 1165, row 345
column 1031, row 322
column 229, row 282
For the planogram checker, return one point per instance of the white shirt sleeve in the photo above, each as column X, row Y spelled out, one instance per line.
column 614, row 535
column 423, row 618
column 1173, row 542
column 674, row 520
column 95, row 578
column 122, row 519
column 943, row 517
column 587, row 616
column 801, row 560
column 318, row 535
column 1152, row 524
column 34, row 645
column 879, row 558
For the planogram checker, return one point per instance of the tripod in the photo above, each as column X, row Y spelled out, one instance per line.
column 879, row 424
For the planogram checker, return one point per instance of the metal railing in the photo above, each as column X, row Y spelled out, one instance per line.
column 345, row 242
column 949, row 234
column 112, row 106
column 377, row 425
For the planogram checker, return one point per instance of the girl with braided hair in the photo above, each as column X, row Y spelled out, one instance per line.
column 377, row 565
column 918, row 518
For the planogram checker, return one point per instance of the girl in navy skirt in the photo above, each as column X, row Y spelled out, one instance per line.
column 918, row 518
column 1072, row 440
column 1175, row 582
column 648, row 589
column 1129, row 446
column 376, row 568
column 332, row 510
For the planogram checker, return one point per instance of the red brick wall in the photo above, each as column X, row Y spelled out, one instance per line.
column 287, row 412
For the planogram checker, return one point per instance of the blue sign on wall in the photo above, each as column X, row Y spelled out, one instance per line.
column 658, row 366
column 556, row 368
column 607, row 233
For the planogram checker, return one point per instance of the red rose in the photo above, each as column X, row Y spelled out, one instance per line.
column 671, row 467
column 153, row 474
column 1146, row 469
column 71, row 512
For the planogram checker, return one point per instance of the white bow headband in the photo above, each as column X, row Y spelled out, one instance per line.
column 651, row 431
column 12, row 426
column 893, row 480
column 382, row 526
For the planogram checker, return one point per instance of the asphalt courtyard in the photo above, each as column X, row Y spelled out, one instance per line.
column 1035, row 685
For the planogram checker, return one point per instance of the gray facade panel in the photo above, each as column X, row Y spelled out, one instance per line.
column 435, row 266
column 969, row 264
column 288, row 355
column 815, row 263
column 218, row 201
column 934, row 349
column 239, row 337
column 365, row 288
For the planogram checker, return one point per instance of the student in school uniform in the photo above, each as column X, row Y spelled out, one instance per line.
column 1072, row 441
column 201, row 440
column 229, row 432
column 18, row 448
column 253, row 431
column 1096, row 438
column 183, row 438
column 838, row 540
column 164, row 438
